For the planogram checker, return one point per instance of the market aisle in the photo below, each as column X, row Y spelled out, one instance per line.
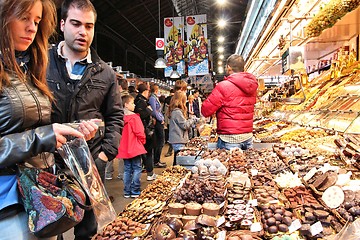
column 115, row 187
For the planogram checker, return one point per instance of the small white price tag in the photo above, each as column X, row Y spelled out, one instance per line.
column 274, row 201
column 254, row 172
column 253, row 202
column 310, row 174
column 256, row 227
column 220, row 221
column 295, row 225
column 316, row 228
column 221, row 235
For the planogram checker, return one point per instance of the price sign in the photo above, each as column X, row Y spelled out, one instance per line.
column 159, row 43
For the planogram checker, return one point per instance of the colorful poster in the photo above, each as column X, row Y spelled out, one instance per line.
column 197, row 45
column 174, row 45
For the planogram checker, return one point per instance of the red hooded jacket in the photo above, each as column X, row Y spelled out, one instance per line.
column 133, row 137
column 233, row 101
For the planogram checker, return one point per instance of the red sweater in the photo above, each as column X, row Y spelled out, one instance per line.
column 133, row 137
column 233, row 101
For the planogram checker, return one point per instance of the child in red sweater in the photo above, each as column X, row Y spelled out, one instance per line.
column 131, row 148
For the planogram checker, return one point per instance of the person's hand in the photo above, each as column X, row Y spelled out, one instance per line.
column 89, row 128
column 163, row 122
column 61, row 131
column 102, row 156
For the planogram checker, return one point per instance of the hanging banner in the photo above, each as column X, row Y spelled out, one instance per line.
column 197, row 45
column 174, row 45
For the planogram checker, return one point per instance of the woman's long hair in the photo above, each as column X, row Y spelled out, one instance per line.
column 38, row 50
column 178, row 101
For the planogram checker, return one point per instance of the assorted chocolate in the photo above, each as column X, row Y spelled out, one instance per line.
column 276, row 218
column 200, row 191
column 122, row 228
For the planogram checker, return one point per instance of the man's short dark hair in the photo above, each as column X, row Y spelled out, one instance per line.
column 123, row 83
column 132, row 89
column 236, row 62
column 142, row 88
column 79, row 4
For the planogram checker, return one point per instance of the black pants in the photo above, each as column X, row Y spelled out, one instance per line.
column 159, row 141
column 148, row 157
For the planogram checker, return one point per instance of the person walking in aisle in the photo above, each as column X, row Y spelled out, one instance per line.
column 84, row 87
column 159, row 125
column 144, row 110
column 179, row 123
column 233, row 101
column 131, row 148
column 123, row 89
column 197, row 103
column 190, row 105
column 166, row 117
column 26, row 133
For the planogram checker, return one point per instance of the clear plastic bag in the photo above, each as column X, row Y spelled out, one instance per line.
column 351, row 231
column 77, row 157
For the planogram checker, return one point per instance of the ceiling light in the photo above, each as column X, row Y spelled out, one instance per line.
column 160, row 63
column 221, row 70
column 220, row 49
column 221, row 57
column 221, row 39
column 220, row 62
column 174, row 74
column 221, row 23
column 221, row 2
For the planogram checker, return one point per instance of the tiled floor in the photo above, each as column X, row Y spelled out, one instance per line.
column 115, row 188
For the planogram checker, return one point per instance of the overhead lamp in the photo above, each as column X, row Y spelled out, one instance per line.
column 221, row 49
column 221, row 39
column 221, row 57
column 220, row 62
column 221, row 70
column 174, row 74
column 221, row 2
column 160, row 61
column 221, row 23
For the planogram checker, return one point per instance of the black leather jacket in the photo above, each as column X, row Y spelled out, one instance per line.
column 96, row 95
column 24, row 133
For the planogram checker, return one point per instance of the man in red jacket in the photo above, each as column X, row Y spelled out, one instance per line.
column 233, row 101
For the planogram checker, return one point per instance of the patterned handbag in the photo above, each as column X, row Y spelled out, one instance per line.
column 54, row 203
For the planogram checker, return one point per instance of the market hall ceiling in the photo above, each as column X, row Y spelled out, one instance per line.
column 126, row 29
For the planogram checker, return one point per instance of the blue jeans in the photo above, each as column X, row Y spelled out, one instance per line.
column 132, row 174
column 243, row 145
column 177, row 146
column 16, row 227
